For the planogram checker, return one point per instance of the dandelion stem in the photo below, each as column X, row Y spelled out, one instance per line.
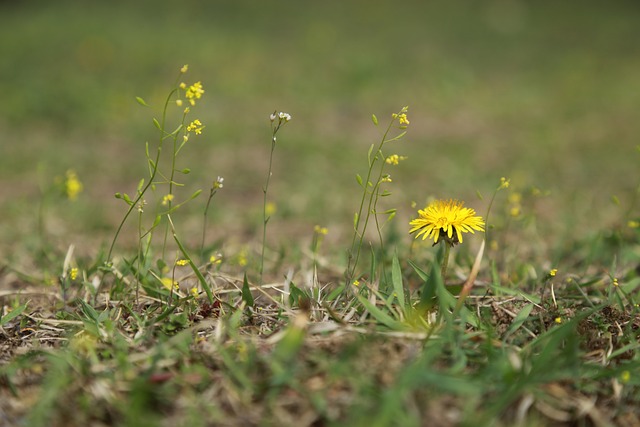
column 445, row 261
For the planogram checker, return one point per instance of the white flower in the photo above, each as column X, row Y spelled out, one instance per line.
column 284, row 116
column 273, row 116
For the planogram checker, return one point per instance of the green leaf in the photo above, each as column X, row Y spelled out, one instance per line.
column 196, row 271
column 380, row 315
column 196, row 194
column 247, row 297
column 374, row 119
column 520, row 319
column 141, row 101
column 396, row 278
column 12, row 314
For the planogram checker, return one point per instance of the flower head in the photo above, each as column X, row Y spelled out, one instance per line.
column 193, row 92
column 218, row 183
column 195, row 126
column 446, row 219
column 72, row 185
column 394, row 159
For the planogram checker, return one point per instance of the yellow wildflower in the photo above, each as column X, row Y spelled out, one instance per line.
column 167, row 199
column 394, row 159
column 169, row 283
column 215, row 259
column 558, row 320
column 321, row 230
column 504, row 182
column 625, row 377
column 184, row 68
column 72, row 185
column 182, row 262
column 73, row 273
column 194, row 292
column 195, row 126
column 194, row 92
column 446, row 219
column 553, row 272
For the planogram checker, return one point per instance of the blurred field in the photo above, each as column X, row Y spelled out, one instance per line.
column 544, row 93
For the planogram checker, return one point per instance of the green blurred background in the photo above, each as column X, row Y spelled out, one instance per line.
column 547, row 93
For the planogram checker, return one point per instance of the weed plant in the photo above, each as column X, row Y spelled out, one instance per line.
column 422, row 335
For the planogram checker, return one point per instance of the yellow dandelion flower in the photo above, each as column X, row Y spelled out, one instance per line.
column 72, row 185
column 446, row 219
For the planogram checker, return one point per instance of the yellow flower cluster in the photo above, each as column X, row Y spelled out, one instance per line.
column 72, row 185
column 394, row 159
column 195, row 126
column 194, row 92
column 167, row 199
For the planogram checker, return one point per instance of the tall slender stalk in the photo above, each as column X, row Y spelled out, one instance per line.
column 282, row 119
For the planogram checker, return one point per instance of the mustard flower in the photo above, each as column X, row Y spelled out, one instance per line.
column 394, row 159
column 553, row 272
column 195, row 126
column 194, row 292
column 72, row 185
column 169, row 283
column 184, row 68
column 73, row 274
column 167, row 199
column 504, row 182
column 446, row 219
column 215, row 259
column 194, row 92
column 182, row 262
column 321, row 230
